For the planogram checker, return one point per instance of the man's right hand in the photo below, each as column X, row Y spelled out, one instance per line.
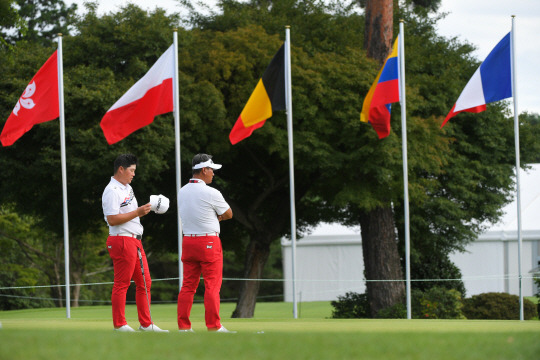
column 120, row 219
column 144, row 209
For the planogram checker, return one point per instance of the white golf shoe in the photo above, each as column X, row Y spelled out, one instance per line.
column 152, row 327
column 222, row 329
column 186, row 330
column 125, row 328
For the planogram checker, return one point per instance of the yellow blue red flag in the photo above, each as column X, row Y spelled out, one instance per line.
column 383, row 92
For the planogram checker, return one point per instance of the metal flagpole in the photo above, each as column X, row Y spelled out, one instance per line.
column 401, row 52
column 176, row 111
column 64, row 179
column 516, row 137
column 288, row 100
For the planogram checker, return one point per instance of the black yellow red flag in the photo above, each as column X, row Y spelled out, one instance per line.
column 268, row 96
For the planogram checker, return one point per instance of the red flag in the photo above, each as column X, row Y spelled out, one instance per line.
column 152, row 95
column 38, row 103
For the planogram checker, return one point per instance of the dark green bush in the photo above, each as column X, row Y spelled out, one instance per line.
column 352, row 305
column 537, row 282
column 436, row 266
column 398, row 311
column 436, row 303
column 497, row 306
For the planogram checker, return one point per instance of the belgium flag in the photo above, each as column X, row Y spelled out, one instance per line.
column 268, row 96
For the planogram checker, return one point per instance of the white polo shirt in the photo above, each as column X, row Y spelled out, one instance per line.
column 120, row 199
column 200, row 206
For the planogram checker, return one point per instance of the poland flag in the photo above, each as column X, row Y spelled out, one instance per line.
column 491, row 82
column 152, row 95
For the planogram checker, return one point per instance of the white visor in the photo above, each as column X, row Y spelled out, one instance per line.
column 209, row 164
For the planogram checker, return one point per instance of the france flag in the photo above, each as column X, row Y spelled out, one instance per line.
column 491, row 82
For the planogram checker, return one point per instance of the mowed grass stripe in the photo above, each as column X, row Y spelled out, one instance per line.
column 271, row 334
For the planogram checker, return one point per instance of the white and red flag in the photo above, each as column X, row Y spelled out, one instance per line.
column 38, row 103
column 152, row 95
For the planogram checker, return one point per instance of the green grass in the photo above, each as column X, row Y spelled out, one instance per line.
column 271, row 334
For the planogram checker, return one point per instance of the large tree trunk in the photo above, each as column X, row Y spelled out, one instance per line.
column 378, row 32
column 59, row 293
column 381, row 259
column 76, row 294
column 256, row 256
column 379, row 241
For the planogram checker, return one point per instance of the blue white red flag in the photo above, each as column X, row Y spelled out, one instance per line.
column 491, row 82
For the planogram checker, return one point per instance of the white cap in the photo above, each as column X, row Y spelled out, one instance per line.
column 159, row 203
column 208, row 163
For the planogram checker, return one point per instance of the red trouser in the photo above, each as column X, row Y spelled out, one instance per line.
column 123, row 252
column 201, row 255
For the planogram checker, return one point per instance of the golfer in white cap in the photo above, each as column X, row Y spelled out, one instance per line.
column 201, row 209
column 123, row 214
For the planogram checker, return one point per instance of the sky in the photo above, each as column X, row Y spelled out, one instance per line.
column 482, row 23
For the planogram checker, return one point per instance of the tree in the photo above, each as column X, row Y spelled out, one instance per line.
column 43, row 19
column 381, row 254
column 28, row 259
column 8, row 17
column 91, row 87
column 259, row 196
column 378, row 39
column 458, row 179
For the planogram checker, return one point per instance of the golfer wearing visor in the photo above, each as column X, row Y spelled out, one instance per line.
column 201, row 209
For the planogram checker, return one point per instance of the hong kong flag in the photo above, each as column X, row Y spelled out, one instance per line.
column 38, row 103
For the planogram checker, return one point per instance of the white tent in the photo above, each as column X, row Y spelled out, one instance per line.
column 330, row 262
column 490, row 264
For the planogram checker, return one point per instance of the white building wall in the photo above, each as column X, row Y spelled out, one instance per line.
column 326, row 267
column 482, row 267
column 329, row 266
column 492, row 266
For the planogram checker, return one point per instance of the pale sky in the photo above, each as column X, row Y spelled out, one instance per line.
column 482, row 23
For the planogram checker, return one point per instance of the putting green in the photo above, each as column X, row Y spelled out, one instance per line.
column 271, row 334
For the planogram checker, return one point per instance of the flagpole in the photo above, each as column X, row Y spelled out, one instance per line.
column 176, row 111
column 64, row 179
column 401, row 50
column 516, row 137
column 288, row 100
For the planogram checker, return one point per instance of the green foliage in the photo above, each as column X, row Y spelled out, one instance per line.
column 537, row 283
column 8, row 14
column 497, row 306
column 529, row 124
column 434, row 303
column 316, row 25
column 39, row 21
column 352, row 305
column 435, row 266
column 22, row 265
column 437, row 303
column 397, row 311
